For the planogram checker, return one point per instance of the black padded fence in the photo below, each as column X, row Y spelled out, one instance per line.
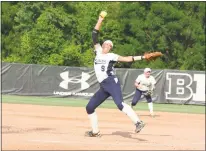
column 173, row 86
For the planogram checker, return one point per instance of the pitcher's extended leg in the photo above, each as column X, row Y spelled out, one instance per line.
column 99, row 97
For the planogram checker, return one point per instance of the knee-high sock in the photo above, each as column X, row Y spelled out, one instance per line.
column 150, row 106
column 130, row 113
column 94, row 122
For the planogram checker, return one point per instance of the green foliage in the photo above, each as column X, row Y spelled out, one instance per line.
column 56, row 59
column 87, row 58
column 71, row 55
column 194, row 60
column 59, row 33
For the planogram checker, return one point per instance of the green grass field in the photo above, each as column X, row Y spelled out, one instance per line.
column 107, row 104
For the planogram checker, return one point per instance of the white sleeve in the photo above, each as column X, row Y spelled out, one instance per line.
column 138, row 79
column 113, row 57
column 153, row 80
column 98, row 48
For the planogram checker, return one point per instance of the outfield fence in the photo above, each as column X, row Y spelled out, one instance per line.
column 173, row 86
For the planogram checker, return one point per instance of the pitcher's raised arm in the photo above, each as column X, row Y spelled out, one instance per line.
column 95, row 31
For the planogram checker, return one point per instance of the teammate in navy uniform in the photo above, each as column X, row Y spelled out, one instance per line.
column 109, row 83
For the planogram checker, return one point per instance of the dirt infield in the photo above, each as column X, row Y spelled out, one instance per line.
column 35, row 127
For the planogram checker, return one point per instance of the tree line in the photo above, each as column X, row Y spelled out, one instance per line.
column 59, row 33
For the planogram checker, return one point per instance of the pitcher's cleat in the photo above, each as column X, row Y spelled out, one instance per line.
column 139, row 126
column 91, row 134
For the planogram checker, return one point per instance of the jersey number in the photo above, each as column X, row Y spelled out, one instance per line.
column 103, row 68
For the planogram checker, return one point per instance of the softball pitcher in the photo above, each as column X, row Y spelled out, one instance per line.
column 109, row 83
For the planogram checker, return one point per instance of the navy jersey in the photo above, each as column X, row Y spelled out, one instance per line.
column 104, row 64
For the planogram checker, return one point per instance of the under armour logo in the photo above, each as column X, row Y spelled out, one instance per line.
column 67, row 80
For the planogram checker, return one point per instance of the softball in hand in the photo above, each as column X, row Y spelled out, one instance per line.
column 103, row 14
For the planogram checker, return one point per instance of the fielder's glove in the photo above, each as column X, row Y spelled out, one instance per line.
column 152, row 55
column 149, row 92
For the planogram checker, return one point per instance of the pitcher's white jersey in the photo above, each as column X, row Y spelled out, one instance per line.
column 146, row 83
column 104, row 64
